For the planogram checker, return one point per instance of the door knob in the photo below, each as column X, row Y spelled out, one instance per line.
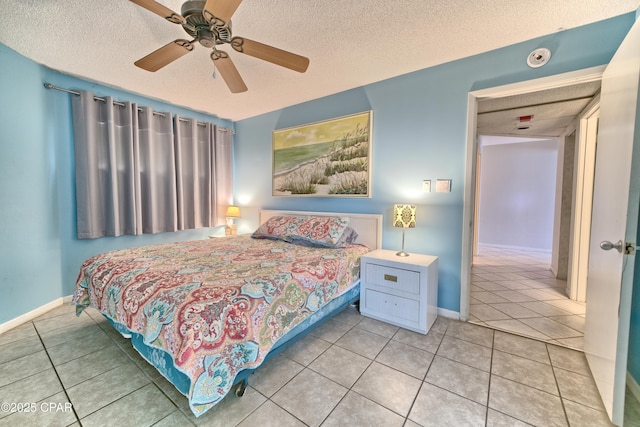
column 607, row 245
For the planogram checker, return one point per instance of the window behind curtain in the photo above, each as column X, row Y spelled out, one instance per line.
column 139, row 171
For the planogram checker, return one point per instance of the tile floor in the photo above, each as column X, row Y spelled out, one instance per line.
column 351, row 371
column 515, row 291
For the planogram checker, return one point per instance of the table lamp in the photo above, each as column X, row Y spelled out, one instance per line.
column 404, row 216
column 232, row 212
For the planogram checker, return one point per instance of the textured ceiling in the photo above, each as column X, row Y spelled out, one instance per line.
column 350, row 43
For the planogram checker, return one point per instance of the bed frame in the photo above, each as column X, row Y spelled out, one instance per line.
column 369, row 229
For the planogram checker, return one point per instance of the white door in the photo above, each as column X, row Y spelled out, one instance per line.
column 615, row 218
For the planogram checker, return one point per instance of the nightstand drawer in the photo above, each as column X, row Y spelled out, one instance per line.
column 396, row 278
column 393, row 306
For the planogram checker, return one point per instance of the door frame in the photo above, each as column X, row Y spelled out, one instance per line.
column 468, row 215
column 586, row 142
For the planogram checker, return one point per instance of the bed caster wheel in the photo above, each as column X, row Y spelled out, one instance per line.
column 241, row 388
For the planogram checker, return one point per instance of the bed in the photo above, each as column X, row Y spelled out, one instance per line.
column 207, row 313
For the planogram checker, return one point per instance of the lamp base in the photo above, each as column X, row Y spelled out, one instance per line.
column 402, row 252
column 230, row 229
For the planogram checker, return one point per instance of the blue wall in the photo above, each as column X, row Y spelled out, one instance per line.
column 30, row 257
column 419, row 132
column 39, row 253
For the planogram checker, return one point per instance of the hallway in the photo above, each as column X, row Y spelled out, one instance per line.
column 515, row 291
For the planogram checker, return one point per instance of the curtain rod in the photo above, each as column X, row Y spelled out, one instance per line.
column 97, row 98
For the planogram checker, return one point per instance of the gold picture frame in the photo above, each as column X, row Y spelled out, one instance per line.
column 330, row 158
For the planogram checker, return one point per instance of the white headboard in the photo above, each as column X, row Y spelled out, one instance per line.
column 368, row 226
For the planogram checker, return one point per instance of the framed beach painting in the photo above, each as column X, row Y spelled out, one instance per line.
column 331, row 158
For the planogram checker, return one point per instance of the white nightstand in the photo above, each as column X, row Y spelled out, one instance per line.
column 399, row 290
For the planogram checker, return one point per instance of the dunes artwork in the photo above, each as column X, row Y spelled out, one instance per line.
column 324, row 159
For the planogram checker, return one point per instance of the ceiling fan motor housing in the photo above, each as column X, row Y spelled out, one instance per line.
column 201, row 29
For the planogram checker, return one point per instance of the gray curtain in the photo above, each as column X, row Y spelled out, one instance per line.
column 157, row 172
column 138, row 171
column 194, row 157
column 223, row 177
column 105, row 167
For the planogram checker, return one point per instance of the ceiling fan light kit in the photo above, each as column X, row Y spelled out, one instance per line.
column 209, row 23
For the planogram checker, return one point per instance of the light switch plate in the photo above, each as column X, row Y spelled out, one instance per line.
column 443, row 186
column 426, row 186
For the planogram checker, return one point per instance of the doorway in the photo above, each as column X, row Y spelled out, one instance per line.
column 515, row 287
column 611, row 278
column 505, row 102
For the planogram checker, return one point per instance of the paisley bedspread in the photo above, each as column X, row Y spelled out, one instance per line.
column 216, row 306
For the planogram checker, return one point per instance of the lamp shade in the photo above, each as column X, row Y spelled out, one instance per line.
column 233, row 212
column 404, row 216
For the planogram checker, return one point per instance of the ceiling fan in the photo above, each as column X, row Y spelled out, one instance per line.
column 209, row 23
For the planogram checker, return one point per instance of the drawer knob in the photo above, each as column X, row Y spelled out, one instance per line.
column 390, row 278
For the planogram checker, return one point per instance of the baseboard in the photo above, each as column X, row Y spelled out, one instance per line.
column 4, row 327
column 515, row 248
column 448, row 313
column 633, row 386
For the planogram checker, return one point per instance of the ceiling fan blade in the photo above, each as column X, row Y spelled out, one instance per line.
column 161, row 10
column 271, row 54
column 228, row 71
column 220, row 11
column 165, row 55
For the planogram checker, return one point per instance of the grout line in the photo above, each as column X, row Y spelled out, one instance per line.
column 424, row 380
column 284, row 409
column 493, row 349
column 170, row 414
column 64, row 389
column 555, row 378
column 152, row 382
column 123, row 396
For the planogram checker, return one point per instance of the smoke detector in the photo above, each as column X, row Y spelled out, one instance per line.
column 538, row 57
